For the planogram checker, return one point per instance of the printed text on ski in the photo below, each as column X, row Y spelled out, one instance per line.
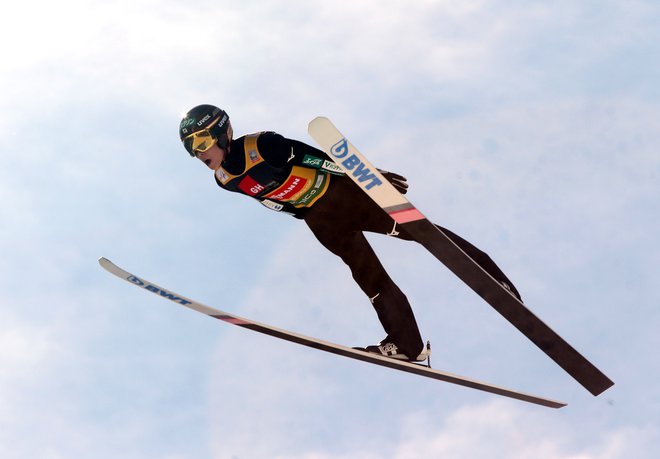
column 353, row 164
column 152, row 288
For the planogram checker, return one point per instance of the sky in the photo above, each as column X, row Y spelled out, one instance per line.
column 530, row 128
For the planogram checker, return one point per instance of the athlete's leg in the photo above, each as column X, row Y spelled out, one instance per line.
column 391, row 305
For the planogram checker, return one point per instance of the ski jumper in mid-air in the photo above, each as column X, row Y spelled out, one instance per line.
column 292, row 177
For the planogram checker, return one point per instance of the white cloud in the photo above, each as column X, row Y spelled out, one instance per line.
column 493, row 429
column 25, row 349
column 497, row 429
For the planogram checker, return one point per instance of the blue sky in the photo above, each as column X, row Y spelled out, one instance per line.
column 532, row 129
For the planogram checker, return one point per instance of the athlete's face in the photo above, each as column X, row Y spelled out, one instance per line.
column 213, row 157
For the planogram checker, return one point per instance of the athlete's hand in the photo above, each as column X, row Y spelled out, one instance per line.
column 399, row 182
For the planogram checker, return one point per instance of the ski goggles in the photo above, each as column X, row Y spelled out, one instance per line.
column 199, row 142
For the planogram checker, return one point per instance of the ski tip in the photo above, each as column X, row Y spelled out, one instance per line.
column 104, row 262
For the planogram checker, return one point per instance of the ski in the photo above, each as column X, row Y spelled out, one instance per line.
column 314, row 343
column 371, row 181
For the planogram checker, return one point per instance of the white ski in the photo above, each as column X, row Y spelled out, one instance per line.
column 320, row 344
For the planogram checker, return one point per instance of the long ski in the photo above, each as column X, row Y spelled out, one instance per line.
column 323, row 345
column 371, row 181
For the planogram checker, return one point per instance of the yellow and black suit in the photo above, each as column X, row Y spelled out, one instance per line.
column 284, row 175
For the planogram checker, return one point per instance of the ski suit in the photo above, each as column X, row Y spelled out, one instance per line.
column 290, row 176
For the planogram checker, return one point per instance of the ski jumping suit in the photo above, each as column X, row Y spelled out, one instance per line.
column 290, row 176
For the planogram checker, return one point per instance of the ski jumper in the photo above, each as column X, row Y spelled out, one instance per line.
column 290, row 176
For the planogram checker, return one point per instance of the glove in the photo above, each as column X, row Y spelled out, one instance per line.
column 399, row 182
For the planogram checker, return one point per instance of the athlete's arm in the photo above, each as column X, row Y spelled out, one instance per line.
column 278, row 151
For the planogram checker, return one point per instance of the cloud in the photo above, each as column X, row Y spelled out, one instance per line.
column 25, row 348
column 492, row 429
column 498, row 430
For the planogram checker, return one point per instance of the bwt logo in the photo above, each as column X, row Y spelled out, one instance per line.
column 157, row 290
column 353, row 163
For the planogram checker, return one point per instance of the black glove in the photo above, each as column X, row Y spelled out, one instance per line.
column 399, row 182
